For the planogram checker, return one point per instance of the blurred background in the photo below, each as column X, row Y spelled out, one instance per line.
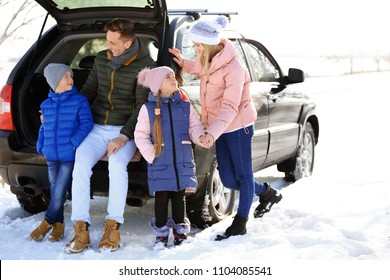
column 323, row 38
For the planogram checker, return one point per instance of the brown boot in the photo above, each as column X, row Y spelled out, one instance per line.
column 80, row 239
column 39, row 233
column 111, row 237
column 58, row 232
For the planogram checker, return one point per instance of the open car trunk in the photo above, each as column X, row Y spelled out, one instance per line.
column 75, row 39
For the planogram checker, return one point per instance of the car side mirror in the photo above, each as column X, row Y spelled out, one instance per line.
column 295, row 76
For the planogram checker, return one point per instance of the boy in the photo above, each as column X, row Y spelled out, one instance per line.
column 67, row 120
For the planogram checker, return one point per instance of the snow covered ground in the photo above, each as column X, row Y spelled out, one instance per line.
column 339, row 216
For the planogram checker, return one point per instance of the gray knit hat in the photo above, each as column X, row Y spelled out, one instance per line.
column 208, row 32
column 54, row 72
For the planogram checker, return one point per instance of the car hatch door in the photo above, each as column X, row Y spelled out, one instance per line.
column 75, row 13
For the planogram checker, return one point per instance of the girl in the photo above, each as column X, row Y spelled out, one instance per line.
column 229, row 115
column 166, row 125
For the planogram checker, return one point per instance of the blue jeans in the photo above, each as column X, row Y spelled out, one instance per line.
column 60, row 178
column 234, row 156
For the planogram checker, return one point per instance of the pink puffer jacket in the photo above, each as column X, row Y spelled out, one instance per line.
column 224, row 93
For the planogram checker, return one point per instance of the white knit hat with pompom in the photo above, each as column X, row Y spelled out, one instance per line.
column 208, row 32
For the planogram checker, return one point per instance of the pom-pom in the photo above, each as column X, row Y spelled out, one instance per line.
column 142, row 76
column 222, row 21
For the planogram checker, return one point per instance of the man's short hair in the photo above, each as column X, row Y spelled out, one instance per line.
column 124, row 26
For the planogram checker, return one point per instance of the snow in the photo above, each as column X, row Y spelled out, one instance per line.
column 339, row 216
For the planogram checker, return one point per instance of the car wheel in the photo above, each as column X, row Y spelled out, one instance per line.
column 34, row 204
column 304, row 161
column 218, row 202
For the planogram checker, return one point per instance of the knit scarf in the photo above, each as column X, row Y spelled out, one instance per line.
column 117, row 61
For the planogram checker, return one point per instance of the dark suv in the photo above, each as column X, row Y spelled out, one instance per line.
column 286, row 130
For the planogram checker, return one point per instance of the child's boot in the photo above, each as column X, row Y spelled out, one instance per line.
column 40, row 232
column 161, row 235
column 180, row 231
column 58, row 232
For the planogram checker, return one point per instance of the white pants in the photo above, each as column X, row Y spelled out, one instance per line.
column 91, row 150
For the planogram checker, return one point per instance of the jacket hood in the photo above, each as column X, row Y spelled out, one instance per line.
column 227, row 54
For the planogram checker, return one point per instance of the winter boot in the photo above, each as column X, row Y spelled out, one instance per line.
column 178, row 237
column 111, row 236
column 80, row 239
column 180, row 231
column 267, row 198
column 58, row 232
column 39, row 233
column 160, row 243
column 161, row 235
column 238, row 227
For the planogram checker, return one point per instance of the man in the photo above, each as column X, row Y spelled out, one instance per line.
column 115, row 99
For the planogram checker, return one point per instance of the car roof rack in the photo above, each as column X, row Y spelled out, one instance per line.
column 196, row 13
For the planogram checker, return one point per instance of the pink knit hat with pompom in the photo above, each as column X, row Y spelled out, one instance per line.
column 153, row 78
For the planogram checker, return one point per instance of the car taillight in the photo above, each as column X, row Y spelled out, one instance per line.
column 6, row 122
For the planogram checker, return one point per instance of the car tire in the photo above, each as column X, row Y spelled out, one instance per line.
column 216, row 203
column 34, row 204
column 304, row 159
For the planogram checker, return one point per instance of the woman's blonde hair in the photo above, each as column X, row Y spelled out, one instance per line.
column 209, row 52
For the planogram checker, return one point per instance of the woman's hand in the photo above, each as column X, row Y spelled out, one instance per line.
column 177, row 57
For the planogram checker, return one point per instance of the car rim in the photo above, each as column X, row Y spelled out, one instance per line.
column 221, row 196
column 307, row 154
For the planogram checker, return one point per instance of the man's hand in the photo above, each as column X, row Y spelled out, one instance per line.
column 40, row 116
column 116, row 144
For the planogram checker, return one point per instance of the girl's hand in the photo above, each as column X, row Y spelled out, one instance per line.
column 207, row 140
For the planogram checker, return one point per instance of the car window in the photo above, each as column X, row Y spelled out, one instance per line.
column 77, row 4
column 240, row 53
column 188, row 51
column 91, row 47
column 262, row 69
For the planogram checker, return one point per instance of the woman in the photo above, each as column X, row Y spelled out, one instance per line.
column 229, row 115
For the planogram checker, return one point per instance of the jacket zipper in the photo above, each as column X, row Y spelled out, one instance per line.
column 109, row 96
column 173, row 144
column 58, row 105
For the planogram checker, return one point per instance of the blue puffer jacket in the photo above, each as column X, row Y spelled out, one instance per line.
column 174, row 169
column 67, row 120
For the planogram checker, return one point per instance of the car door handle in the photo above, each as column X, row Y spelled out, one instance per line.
column 273, row 97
